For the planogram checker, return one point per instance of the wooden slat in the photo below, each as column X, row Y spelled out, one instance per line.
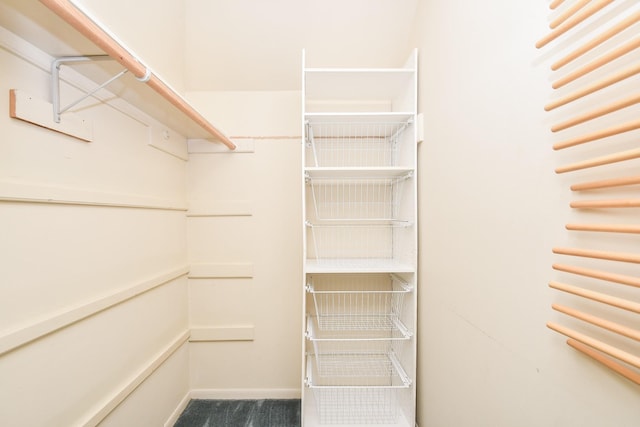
column 598, row 345
column 601, row 38
column 606, row 183
column 600, row 275
column 600, row 161
column 598, row 112
column 605, row 360
column 597, row 296
column 598, row 62
column 74, row 17
column 600, row 134
column 568, row 13
column 594, row 87
column 619, row 329
column 555, row 3
column 614, row 203
column 572, row 22
column 610, row 256
column 605, row 228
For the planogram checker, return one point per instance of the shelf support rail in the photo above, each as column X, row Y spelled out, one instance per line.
column 55, row 81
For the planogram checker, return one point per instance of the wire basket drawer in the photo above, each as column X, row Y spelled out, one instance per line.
column 354, row 198
column 369, row 398
column 356, row 346
column 352, row 144
column 359, row 302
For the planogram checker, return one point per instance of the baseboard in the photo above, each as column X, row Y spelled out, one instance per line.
column 246, row 393
column 178, row 411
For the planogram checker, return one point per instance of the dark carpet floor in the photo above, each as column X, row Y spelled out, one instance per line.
column 241, row 413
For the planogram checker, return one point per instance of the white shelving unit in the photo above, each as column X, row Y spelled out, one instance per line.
column 360, row 245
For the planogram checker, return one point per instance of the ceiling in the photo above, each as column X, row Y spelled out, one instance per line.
column 257, row 44
column 253, row 44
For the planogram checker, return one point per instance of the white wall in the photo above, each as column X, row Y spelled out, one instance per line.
column 491, row 209
column 154, row 31
column 94, row 262
column 245, row 238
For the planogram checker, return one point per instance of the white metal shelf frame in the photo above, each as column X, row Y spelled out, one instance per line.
column 359, row 200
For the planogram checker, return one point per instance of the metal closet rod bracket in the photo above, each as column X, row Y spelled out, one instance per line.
column 55, row 81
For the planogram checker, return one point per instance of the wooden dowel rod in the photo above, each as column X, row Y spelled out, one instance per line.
column 605, row 360
column 623, row 330
column 601, row 38
column 598, row 62
column 600, row 161
column 605, row 228
column 610, row 256
column 555, row 3
column 606, row 183
column 593, row 136
column 567, row 13
column 597, row 296
column 605, row 82
column 598, row 345
column 613, row 203
column 599, row 112
column 600, row 275
column 572, row 22
column 74, row 17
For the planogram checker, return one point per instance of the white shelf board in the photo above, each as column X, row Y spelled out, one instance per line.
column 357, row 266
column 353, row 83
column 363, row 172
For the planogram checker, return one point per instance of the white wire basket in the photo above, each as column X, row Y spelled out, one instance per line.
column 369, row 398
column 360, row 302
column 354, row 198
column 353, row 144
column 333, row 348
column 357, row 243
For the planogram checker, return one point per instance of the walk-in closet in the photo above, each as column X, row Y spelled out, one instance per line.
column 301, row 213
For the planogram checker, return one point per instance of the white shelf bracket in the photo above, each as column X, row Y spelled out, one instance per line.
column 55, row 81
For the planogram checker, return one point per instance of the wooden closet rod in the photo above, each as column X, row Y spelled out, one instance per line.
column 600, row 275
column 599, row 161
column 567, row 13
column 619, row 27
column 575, row 20
column 623, row 330
column 555, row 3
column 74, row 17
column 605, row 82
column 612, row 203
column 597, row 296
column 605, row 360
column 606, row 183
column 598, row 345
column 597, row 63
column 605, row 228
column 599, row 112
column 610, row 256
column 593, row 136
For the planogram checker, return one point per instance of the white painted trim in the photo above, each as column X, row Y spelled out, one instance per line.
column 138, row 379
column 222, row 333
column 12, row 191
column 66, row 317
column 207, row 208
column 203, row 146
column 219, row 270
column 246, row 393
column 178, row 411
